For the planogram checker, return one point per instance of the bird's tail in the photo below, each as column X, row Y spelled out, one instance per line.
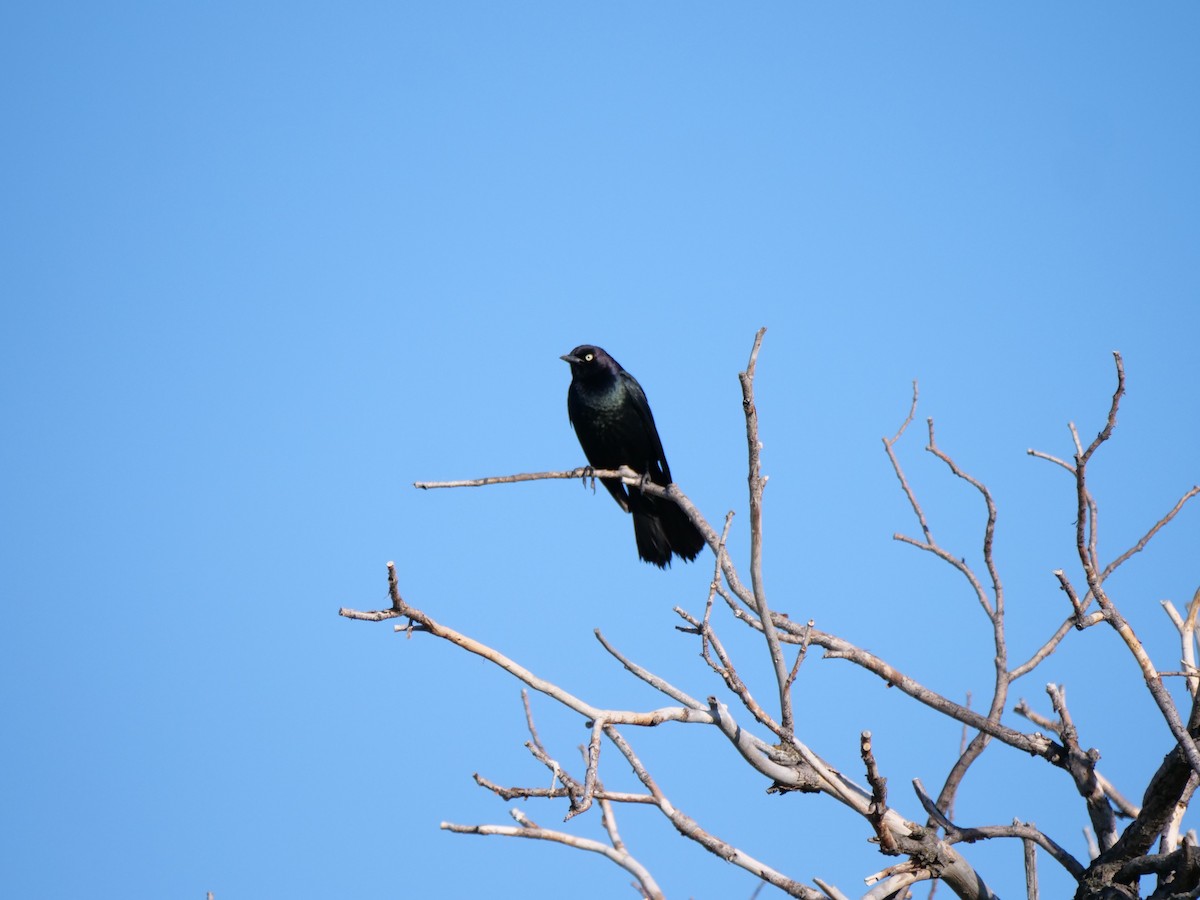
column 686, row 540
column 663, row 529
column 652, row 542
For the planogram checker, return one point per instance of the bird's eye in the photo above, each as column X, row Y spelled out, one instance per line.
column 588, row 357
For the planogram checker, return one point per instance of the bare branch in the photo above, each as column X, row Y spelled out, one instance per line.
column 1085, row 542
column 627, row 477
column 830, row 891
column 955, row 561
column 574, row 791
column 374, row 615
column 838, row 648
column 532, row 793
column 896, row 467
column 1123, row 806
column 1170, row 834
column 1153, row 681
column 580, row 474
column 609, row 821
column 878, row 807
column 617, row 717
column 1081, row 765
column 1026, row 832
column 1145, row 539
column 1111, row 422
column 800, row 654
column 1031, row 879
column 621, row 857
column 724, row 667
column 912, row 411
column 989, row 530
column 714, row 588
column 1051, row 645
column 592, row 754
column 1171, row 785
column 1054, row 459
column 1187, row 639
column 1024, row 709
column 893, row 882
column 533, row 733
column 1069, row 590
column 757, row 482
column 691, row 829
column 995, row 615
column 962, row 834
column 1075, row 438
column 659, row 684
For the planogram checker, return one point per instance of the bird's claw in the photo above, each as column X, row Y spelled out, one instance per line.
column 589, row 472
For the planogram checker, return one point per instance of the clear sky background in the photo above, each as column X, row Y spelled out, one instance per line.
column 264, row 265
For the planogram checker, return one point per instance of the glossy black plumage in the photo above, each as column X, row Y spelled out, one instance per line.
column 615, row 427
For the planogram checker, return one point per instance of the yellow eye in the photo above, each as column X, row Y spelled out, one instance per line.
column 588, row 357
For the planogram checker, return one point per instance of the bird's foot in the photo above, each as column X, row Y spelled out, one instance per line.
column 645, row 480
column 589, row 472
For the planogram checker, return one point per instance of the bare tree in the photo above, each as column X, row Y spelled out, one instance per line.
column 1138, row 850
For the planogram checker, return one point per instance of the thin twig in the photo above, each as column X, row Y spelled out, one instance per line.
column 714, row 586
column 1052, row 644
column 1123, row 805
column 830, row 891
column 533, row 733
column 532, row 793
column 888, row 446
column 1024, row 709
column 573, row 474
column 1069, row 590
column 800, row 654
column 1145, row 539
column 655, row 681
column 1054, row 459
column 989, row 530
column 621, row 857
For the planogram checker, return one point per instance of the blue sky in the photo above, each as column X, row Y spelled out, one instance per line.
column 265, row 265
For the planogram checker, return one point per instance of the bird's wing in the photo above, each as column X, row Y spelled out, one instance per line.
column 647, row 431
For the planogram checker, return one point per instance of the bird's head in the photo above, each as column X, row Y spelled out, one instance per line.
column 586, row 359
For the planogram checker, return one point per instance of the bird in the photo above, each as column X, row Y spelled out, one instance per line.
column 611, row 417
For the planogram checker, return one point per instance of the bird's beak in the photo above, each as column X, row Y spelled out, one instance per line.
column 567, row 357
